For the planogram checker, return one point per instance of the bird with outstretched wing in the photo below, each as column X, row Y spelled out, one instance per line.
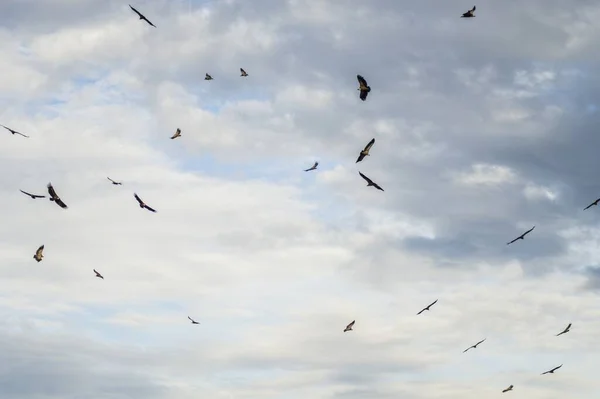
column 566, row 330
column 312, row 167
column 551, row 371
column 370, row 183
column 364, row 88
column 470, row 13
column 14, row 131
column 522, row 236
column 349, row 326
column 177, row 134
column 55, row 198
column 474, row 346
column 507, row 389
column 208, row 77
column 33, row 196
column 116, row 183
column 365, row 152
column 98, row 275
column 39, row 254
column 244, row 74
column 193, row 321
column 142, row 204
column 427, row 307
column 141, row 16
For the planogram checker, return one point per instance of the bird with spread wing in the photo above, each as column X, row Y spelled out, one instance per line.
column 39, row 254
column 312, row 167
column 98, row 274
column 522, row 236
column 14, row 131
column 141, row 16
column 470, row 13
column 474, row 346
column 177, row 134
column 365, row 152
column 510, row 388
column 142, row 204
column 116, row 183
column 193, row 321
column 364, row 88
column 551, row 371
column 566, row 330
column 55, row 198
column 208, row 77
column 427, row 307
column 349, row 326
column 33, row 196
column 370, row 183
column 244, row 74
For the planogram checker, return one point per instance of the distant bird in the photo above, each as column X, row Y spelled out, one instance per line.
column 470, row 13
column 39, row 254
column 592, row 204
column 116, row 183
column 522, row 236
column 365, row 152
column 474, row 346
column 177, row 134
column 193, row 321
column 208, row 77
column 427, row 308
column 14, row 131
column 349, row 326
column 141, row 16
column 243, row 72
column 566, row 330
column 508, row 389
column 33, row 196
column 142, row 205
column 98, row 275
column 54, row 197
column 312, row 167
column 364, row 88
column 551, row 371
column 370, row 182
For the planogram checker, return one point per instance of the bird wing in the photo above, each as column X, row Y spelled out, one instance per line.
column 528, row 231
column 32, row 195
column 60, row 203
column 368, row 146
column 480, row 341
column 377, row 186
column 467, row 349
column 361, row 156
column 147, row 20
column 363, row 94
column 508, row 243
column 39, row 251
column 473, row 10
column 590, row 205
column 432, row 303
column 138, row 199
column 556, row 368
column 150, row 209
column 362, row 82
column 135, row 11
column 421, row 311
column 24, row 135
column 351, row 324
column 366, row 178
column 569, row 326
column 51, row 191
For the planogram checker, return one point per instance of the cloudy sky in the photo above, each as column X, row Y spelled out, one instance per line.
column 484, row 127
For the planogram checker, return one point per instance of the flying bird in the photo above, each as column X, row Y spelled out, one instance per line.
column 370, row 182
column 592, row 204
column 208, row 77
column 39, row 254
column 470, row 13
column 522, row 236
column 54, row 197
column 98, row 275
column 14, row 131
column 508, row 389
column 566, row 330
column 177, row 134
column 116, row 183
column 243, row 72
column 474, row 346
column 193, row 321
column 365, row 152
column 427, row 308
column 551, row 371
column 349, row 326
column 363, row 87
column 33, row 196
column 141, row 16
column 312, row 167
column 142, row 205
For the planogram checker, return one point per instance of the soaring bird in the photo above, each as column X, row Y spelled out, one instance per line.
column 566, row 330
column 33, row 196
column 522, row 236
column 428, row 306
column 116, row 183
column 349, row 326
column 370, row 182
column 208, row 77
column 54, row 197
column 98, row 275
column 474, row 346
column 470, row 13
column 312, row 167
column 365, row 152
column 551, row 371
column 592, row 204
column 14, row 131
column 39, row 254
column 363, row 87
column 177, row 134
column 141, row 16
column 193, row 321
column 142, row 205
column 508, row 389
column 243, row 72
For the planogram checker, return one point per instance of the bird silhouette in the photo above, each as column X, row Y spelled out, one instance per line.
column 522, row 236
column 370, row 183
column 566, row 330
column 349, row 326
column 364, row 88
column 98, row 275
column 141, row 16
column 428, row 306
column 177, row 134
column 193, row 321
column 365, row 152
column 508, row 389
column 551, row 371
column 54, row 197
column 474, row 346
column 312, row 167
column 470, row 13
column 39, row 255
column 33, row 196
column 243, row 72
column 14, row 131
column 208, row 77
column 142, row 204
column 116, row 183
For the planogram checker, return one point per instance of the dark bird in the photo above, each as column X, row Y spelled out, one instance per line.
column 208, row 77
column 141, row 16
column 349, row 326
column 33, row 196
column 116, row 183
column 474, row 346
column 365, row 152
column 508, row 389
column 39, row 254
column 98, row 275
column 592, row 204
column 470, row 13
column 54, row 197
column 312, row 167
column 363, row 87
column 142, row 205
column 522, row 236
column 177, row 134
column 370, row 182
column 566, row 330
column 551, row 371
column 193, row 321
column 243, row 72
column 427, row 308
column 14, row 131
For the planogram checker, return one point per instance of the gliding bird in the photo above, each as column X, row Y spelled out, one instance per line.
column 427, row 308
column 142, row 204
column 312, row 167
column 551, row 371
column 349, row 326
column 141, row 16
column 474, row 346
column 522, row 236
column 14, row 131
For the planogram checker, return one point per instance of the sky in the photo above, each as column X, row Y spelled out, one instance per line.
column 484, row 127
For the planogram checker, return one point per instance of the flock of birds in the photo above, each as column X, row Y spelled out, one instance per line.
column 364, row 90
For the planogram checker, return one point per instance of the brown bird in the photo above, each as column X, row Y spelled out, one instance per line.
column 364, row 88
column 508, row 389
column 14, row 131
column 177, row 134
column 427, row 308
column 98, row 275
column 141, row 16
column 474, row 346
column 365, row 152
column 566, row 330
column 522, row 236
column 39, row 254
column 208, row 77
column 54, row 197
column 592, row 204
column 470, row 13
column 370, row 182
column 142, row 205
column 349, row 326
column 193, row 321
column 312, row 167
column 116, row 183
column 243, row 72
column 33, row 196
column 551, row 371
